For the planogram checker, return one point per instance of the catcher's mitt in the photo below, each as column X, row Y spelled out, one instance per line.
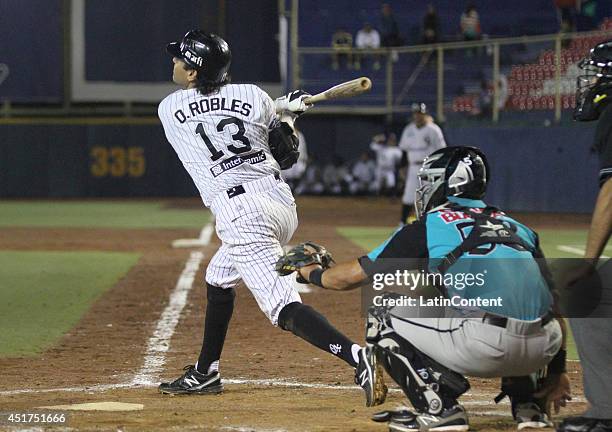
column 303, row 255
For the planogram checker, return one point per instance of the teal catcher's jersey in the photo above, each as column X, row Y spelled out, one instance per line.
column 506, row 272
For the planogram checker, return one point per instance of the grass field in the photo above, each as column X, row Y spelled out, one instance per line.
column 58, row 287
column 100, row 214
column 552, row 242
column 65, row 280
column 55, row 288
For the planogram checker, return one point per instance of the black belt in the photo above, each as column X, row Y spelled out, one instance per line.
column 499, row 321
column 239, row 190
column 235, row 191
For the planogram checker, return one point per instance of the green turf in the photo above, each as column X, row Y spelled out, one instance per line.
column 366, row 237
column 369, row 238
column 44, row 294
column 103, row 214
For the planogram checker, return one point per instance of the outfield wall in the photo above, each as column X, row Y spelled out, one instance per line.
column 534, row 168
column 89, row 161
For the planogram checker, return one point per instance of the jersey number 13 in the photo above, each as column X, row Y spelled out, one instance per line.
column 237, row 137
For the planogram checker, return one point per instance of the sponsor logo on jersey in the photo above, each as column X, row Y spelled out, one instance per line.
column 494, row 230
column 234, row 161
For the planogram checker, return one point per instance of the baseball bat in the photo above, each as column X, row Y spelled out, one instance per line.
column 346, row 89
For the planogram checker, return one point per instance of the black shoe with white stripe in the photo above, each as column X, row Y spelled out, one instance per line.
column 193, row 382
column 450, row 420
column 369, row 375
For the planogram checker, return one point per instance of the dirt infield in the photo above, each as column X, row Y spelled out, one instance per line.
column 276, row 382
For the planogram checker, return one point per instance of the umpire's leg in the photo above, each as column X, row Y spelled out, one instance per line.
column 593, row 338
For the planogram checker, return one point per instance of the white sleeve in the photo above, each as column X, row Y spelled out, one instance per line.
column 376, row 39
column 437, row 138
column 302, row 148
column 404, row 142
column 268, row 112
column 397, row 155
column 162, row 113
column 359, row 39
column 375, row 146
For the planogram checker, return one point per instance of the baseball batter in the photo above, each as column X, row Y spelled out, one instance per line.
column 419, row 138
column 233, row 146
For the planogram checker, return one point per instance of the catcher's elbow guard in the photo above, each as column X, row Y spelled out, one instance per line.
column 283, row 145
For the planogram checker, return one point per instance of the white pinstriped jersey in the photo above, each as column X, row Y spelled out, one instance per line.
column 221, row 138
column 420, row 142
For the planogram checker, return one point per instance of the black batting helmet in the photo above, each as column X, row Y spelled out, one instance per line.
column 207, row 53
column 594, row 87
column 451, row 171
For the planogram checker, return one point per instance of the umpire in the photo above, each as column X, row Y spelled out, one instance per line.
column 594, row 336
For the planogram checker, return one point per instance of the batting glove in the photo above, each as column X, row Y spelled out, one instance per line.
column 293, row 102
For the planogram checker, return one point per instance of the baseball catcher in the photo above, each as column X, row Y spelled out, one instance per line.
column 429, row 357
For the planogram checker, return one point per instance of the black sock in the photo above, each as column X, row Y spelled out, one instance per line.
column 218, row 315
column 406, row 209
column 305, row 322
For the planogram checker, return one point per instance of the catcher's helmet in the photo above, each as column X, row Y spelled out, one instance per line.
column 451, row 171
column 595, row 85
column 207, row 53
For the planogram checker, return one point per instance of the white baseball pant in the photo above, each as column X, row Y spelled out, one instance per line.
column 253, row 227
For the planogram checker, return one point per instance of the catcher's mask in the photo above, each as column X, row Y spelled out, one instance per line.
column 595, row 84
column 451, row 171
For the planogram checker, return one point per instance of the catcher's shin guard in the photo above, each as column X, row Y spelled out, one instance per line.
column 429, row 386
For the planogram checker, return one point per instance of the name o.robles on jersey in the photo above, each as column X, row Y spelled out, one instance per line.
column 234, row 161
column 206, row 105
column 221, row 138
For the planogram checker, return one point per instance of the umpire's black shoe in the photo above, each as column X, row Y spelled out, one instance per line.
column 193, row 382
column 369, row 375
column 402, row 414
column 585, row 424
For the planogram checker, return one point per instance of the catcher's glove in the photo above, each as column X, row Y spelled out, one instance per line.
column 303, row 255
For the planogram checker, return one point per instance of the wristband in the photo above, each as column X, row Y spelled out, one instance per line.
column 557, row 364
column 315, row 277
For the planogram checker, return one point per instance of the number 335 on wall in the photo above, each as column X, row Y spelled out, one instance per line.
column 117, row 161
